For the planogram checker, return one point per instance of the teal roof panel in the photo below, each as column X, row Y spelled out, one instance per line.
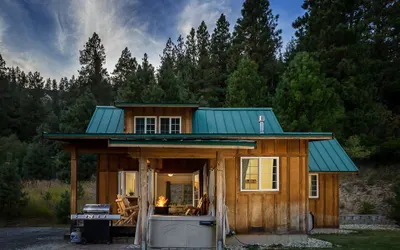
column 234, row 121
column 106, row 120
column 329, row 156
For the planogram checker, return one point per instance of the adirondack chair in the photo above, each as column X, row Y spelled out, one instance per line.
column 128, row 213
column 201, row 208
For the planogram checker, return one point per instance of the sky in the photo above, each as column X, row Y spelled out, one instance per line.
column 46, row 35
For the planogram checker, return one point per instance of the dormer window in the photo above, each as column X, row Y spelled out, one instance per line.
column 170, row 125
column 145, row 125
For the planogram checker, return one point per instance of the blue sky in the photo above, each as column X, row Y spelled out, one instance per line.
column 46, row 35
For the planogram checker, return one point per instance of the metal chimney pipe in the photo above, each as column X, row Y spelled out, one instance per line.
column 261, row 120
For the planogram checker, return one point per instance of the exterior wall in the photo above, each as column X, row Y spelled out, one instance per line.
column 283, row 211
column 185, row 114
column 108, row 166
column 325, row 208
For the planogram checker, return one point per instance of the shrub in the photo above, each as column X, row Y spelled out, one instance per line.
column 12, row 198
column 395, row 204
column 47, row 196
column 63, row 208
column 366, row 208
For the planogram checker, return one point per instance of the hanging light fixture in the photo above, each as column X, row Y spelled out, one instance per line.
column 170, row 175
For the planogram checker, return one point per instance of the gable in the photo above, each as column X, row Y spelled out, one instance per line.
column 234, row 121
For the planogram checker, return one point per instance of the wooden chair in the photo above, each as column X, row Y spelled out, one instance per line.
column 201, row 208
column 128, row 213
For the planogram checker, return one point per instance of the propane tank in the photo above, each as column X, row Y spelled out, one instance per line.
column 76, row 236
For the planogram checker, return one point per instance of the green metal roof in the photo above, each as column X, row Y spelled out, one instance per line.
column 133, row 104
column 235, row 143
column 234, row 121
column 106, row 120
column 216, row 123
column 329, row 156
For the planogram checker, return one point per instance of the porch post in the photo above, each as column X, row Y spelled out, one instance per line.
column 220, row 201
column 74, row 182
column 143, row 200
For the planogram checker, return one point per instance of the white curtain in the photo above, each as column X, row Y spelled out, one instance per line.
column 211, row 192
column 226, row 222
column 205, row 179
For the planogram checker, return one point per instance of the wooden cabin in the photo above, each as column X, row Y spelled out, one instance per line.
column 259, row 179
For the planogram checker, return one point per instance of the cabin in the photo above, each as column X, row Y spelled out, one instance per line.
column 257, row 178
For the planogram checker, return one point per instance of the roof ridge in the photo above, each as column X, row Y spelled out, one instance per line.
column 249, row 108
column 110, row 107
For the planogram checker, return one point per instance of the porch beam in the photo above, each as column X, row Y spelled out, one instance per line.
column 220, row 160
column 143, row 200
column 183, row 153
column 74, row 182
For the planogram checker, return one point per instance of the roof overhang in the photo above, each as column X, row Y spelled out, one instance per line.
column 156, row 143
column 283, row 135
column 159, row 105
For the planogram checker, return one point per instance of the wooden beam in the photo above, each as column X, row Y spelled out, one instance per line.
column 143, row 199
column 220, row 200
column 128, row 121
column 74, row 182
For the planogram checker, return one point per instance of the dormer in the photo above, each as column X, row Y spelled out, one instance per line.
column 160, row 118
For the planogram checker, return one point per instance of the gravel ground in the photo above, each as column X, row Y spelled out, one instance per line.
column 369, row 227
column 311, row 243
column 331, row 231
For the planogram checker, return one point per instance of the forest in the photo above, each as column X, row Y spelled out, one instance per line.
column 340, row 73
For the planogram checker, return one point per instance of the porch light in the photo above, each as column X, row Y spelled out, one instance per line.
column 170, row 175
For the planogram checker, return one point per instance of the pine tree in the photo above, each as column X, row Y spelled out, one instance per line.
column 191, row 56
column 245, row 86
column 166, row 76
column 93, row 74
column 125, row 70
column 47, row 86
column 303, row 100
column 54, row 86
column 256, row 35
column 219, row 50
column 203, row 69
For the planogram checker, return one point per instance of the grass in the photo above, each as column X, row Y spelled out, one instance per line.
column 43, row 196
column 364, row 239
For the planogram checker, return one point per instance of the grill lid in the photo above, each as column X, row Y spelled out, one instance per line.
column 97, row 208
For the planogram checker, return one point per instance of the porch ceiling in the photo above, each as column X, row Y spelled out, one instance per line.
column 183, row 143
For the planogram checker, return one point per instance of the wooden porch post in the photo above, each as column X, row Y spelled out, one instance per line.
column 220, row 204
column 143, row 200
column 74, row 182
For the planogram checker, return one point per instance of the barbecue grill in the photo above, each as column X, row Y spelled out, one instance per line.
column 96, row 222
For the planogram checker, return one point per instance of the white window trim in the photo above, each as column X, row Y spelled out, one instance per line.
column 259, row 182
column 170, row 117
column 309, row 188
column 145, row 123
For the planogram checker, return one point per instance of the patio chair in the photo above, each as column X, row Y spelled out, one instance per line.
column 128, row 213
column 201, row 208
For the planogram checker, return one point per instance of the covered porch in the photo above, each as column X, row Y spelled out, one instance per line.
column 185, row 164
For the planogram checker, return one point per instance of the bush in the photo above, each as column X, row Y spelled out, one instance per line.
column 12, row 198
column 395, row 204
column 366, row 208
column 63, row 208
column 47, row 196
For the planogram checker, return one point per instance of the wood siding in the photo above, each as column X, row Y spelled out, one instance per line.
column 184, row 113
column 108, row 166
column 325, row 208
column 272, row 211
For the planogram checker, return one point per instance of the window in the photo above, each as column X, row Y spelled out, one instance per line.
column 259, row 174
column 145, row 125
column 127, row 185
column 170, row 125
column 313, row 184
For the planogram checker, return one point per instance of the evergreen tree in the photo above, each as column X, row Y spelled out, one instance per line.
column 219, row 50
column 54, row 85
column 76, row 117
column 256, row 35
column 166, row 76
column 303, row 102
column 47, row 86
column 150, row 91
column 203, row 70
column 245, row 86
column 191, row 64
column 125, row 70
column 93, row 74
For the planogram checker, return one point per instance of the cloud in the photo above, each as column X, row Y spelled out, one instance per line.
column 196, row 11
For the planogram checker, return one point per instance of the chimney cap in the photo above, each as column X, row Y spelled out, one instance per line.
column 261, row 118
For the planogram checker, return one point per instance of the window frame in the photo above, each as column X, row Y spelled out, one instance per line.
column 259, row 169
column 145, row 123
column 170, row 124
column 310, row 183
column 121, row 181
